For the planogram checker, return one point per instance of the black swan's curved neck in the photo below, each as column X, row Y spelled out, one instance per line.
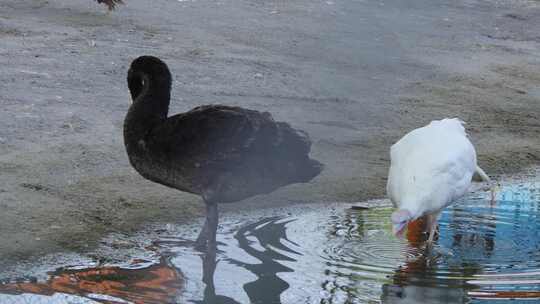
column 150, row 88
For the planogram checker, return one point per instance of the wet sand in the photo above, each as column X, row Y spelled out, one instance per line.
column 355, row 75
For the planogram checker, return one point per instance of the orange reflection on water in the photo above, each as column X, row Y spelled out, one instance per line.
column 159, row 283
column 505, row 294
column 416, row 236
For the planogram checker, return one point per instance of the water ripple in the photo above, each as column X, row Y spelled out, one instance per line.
column 485, row 251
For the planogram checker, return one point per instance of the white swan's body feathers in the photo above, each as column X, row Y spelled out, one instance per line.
column 431, row 167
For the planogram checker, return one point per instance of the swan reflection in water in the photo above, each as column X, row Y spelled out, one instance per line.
column 416, row 281
column 486, row 251
column 356, row 260
column 268, row 248
column 163, row 282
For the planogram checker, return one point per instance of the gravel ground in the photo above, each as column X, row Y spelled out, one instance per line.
column 356, row 75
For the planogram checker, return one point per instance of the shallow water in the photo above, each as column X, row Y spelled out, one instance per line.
column 323, row 254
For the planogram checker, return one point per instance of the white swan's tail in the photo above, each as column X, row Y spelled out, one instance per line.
column 483, row 174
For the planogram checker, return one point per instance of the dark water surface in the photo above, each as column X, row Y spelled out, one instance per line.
column 320, row 254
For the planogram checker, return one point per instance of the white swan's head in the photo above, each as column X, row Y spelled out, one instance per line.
column 400, row 219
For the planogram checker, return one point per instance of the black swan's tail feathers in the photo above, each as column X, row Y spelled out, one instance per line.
column 111, row 3
column 296, row 144
column 309, row 170
column 295, row 141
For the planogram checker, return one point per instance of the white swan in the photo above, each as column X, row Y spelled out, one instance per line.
column 430, row 168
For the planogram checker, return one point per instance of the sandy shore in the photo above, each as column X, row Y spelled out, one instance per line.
column 356, row 75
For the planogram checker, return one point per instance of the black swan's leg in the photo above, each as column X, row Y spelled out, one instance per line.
column 207, row 236
column 212, row 217
column 200, row 243
column 206, row 242
column 209, row 267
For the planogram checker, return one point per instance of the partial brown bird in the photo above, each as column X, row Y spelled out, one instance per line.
column 222, row 153
column 111, row 3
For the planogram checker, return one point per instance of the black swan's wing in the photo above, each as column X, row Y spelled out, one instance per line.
column 234, row 152
column 218, row 135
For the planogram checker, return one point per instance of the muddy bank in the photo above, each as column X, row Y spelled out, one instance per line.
column 354, row 75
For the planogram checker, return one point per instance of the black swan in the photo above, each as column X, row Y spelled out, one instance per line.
column 222, row 153
column 110, row 3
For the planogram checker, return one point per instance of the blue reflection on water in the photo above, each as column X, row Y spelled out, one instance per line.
column 486, row 251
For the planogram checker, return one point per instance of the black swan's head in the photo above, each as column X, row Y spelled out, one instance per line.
column 148, row 73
